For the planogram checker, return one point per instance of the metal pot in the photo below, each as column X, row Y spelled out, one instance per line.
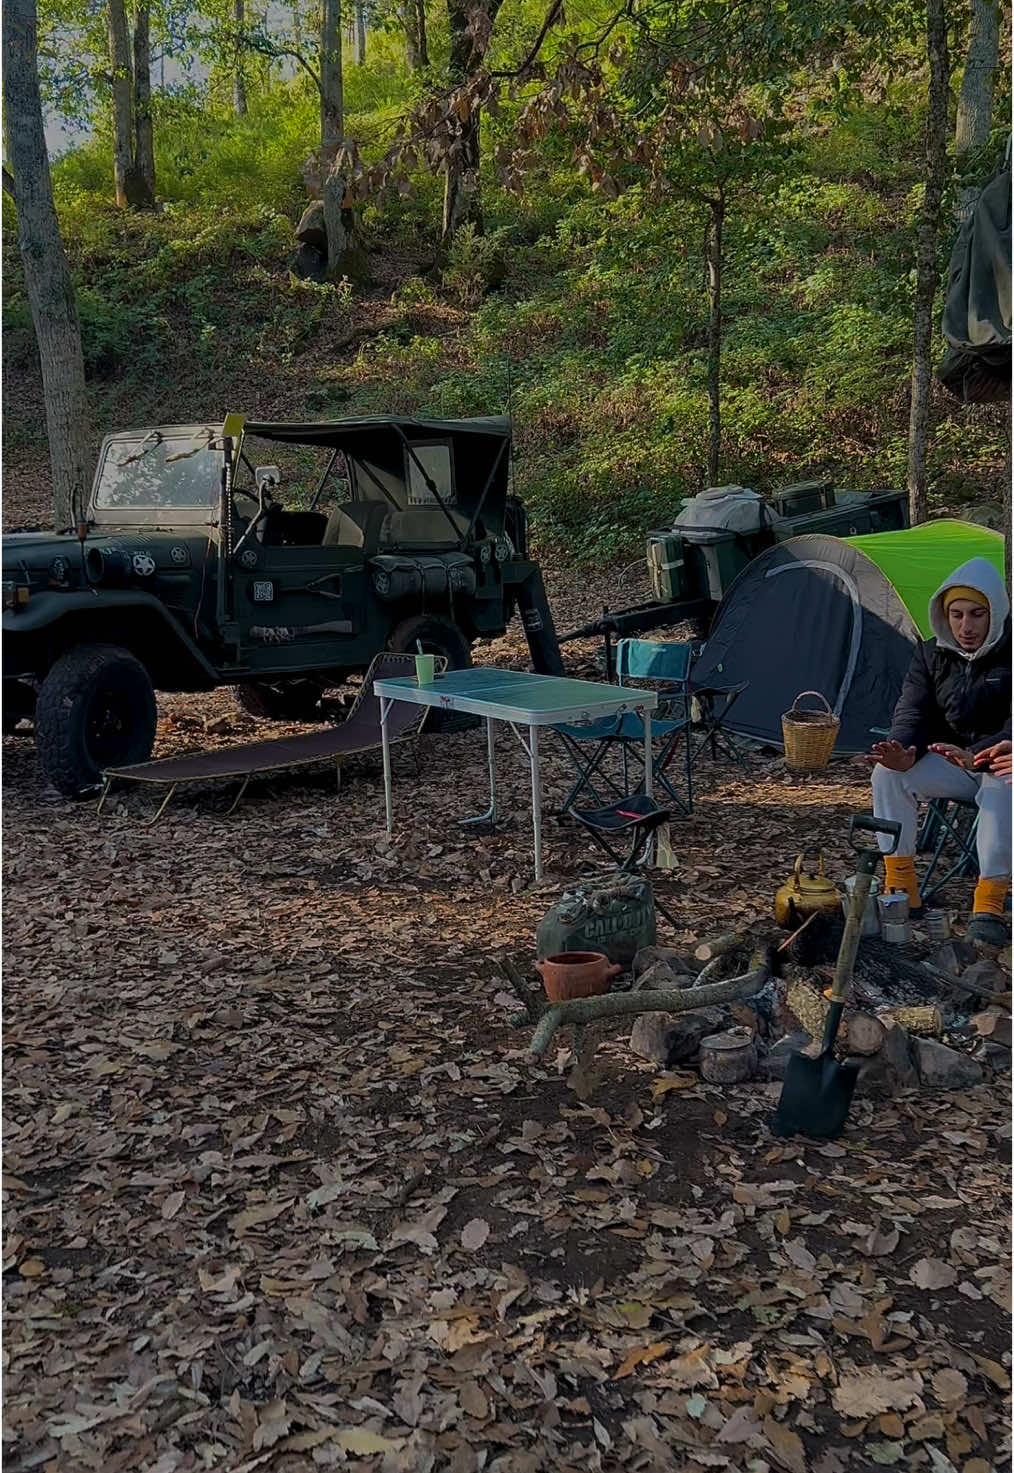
column 729, row 1057
column 871, row 916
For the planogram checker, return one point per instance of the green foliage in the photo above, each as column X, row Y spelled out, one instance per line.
column 475, row 264
column 595, row 335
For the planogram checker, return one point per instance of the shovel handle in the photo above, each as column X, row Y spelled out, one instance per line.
column 850, row 941
column 865, row 823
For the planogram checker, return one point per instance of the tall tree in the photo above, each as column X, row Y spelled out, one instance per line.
column 144, row 142
column 121, row 83
column 332, row 109
column 47, row 278
column 470, row 23
column 926, row 256
column 133, row 150
column 332, row 132
column 358, row 32
column 975, row 101
column 238, row 76
column 412, row 14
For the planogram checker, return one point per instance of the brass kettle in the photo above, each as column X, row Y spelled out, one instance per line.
column 805, row 894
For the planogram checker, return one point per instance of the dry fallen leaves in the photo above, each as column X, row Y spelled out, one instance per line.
column 252, row 1063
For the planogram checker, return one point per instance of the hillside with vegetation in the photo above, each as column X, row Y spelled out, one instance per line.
column 584, row 315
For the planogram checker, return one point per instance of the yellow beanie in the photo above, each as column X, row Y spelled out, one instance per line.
column 961, row 590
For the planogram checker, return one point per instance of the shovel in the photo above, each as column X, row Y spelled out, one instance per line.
column 817, row 1091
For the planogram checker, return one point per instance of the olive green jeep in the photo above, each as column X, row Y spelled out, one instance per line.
column 275, row 558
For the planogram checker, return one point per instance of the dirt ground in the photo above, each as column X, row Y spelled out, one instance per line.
column 284, row 1190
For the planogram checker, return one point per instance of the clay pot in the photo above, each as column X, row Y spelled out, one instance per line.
column 729, row 1057
column 576, row 974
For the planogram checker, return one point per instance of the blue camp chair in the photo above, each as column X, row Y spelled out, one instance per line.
column 666, row 666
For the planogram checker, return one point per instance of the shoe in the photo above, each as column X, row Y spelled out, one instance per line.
column 991, row 930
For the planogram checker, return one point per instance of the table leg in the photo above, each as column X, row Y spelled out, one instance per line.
column 490, row 815
column 490, row 752
column 647, row 753
column 385, row 709
column 533, row 750
column 652, row 851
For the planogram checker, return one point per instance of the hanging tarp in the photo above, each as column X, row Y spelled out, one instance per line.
column 837, row 615
column 976, row 321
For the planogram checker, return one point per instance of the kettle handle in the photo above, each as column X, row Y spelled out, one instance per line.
column 798, row 866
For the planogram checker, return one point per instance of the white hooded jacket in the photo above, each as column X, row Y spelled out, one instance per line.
column 953, row 695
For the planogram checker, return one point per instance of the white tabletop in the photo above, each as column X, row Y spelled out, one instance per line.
column 518, row 695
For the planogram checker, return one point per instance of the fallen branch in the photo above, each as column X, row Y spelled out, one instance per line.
column 533, row 1004
column 583, row 1010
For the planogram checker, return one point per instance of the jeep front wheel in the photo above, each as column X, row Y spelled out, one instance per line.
column 96, row 709
column 437, row 637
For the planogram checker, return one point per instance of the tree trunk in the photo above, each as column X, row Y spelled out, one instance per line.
column 359, row 33
column 332, row 121
column 715, row 335
column 462, row 197
column 975, row 104
column 119, row 64
column 412, row 14
column 926, row 257
column 238, row 78
column 334, row 223
column 47, row 278
column 144, row 143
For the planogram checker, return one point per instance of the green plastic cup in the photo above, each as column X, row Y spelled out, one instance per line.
column 424, row 669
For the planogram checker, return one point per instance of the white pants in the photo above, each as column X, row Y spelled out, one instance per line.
column 896, row 796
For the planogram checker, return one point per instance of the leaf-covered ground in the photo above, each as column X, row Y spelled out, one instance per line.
column 284, row 1191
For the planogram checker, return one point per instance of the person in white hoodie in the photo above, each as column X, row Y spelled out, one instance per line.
column 951, row 738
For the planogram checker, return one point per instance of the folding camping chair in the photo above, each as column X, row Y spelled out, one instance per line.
column 636, row 815
column 667, row 667
column 715, row 703
column 948, row 820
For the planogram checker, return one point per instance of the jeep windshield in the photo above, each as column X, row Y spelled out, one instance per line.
column 162, row 475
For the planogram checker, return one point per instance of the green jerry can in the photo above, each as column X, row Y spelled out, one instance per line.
column 615, row 916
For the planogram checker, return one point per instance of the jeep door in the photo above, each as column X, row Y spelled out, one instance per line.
column 301, row 607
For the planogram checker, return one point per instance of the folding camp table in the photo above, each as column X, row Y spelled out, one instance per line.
column 520, row 699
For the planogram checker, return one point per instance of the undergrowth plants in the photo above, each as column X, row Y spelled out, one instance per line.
column 585, row 319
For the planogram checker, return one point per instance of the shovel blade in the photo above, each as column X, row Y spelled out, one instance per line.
column 815, row 1097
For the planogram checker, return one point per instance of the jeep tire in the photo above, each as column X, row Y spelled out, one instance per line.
column 282, row 700
column 96, row 709
column 437, row 636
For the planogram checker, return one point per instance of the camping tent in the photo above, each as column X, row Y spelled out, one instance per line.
column 837, row 615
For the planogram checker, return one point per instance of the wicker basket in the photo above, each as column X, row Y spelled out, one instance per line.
column 809, row 736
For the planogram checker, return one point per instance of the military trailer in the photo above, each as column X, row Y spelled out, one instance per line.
column 693, row 563
column 274, row 558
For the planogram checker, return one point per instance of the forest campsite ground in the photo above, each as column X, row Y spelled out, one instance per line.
column 284, row 1189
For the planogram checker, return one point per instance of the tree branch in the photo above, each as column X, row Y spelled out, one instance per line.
column 583, row 1010
column 552, row 15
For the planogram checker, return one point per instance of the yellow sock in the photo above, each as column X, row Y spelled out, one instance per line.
column 990, row 896
column 899, row 874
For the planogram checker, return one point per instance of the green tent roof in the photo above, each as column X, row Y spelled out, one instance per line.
column 916, row 561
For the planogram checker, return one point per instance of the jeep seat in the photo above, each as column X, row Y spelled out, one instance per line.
column 422, row 527
column 355, row 524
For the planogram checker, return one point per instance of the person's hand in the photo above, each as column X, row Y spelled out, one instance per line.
column 891, row 755
column 957, row 756
column 997, row 758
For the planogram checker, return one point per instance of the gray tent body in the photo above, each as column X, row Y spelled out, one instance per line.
column 812, row 613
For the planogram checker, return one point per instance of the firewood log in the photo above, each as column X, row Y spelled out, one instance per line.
column 866, row 1034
